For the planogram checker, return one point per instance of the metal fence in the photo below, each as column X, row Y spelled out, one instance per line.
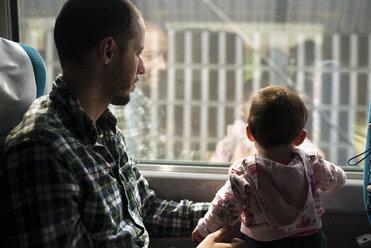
column 221, row 51
column 216, row 84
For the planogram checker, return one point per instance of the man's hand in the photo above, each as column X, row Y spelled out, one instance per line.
column 213, row 240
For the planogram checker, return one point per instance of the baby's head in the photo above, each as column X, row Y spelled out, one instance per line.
column 277, row 116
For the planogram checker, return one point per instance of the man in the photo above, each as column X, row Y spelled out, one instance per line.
column 66, row 179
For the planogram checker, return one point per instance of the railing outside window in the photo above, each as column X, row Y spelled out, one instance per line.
column 221, row 52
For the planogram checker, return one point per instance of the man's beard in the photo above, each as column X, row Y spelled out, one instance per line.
column 121, row 101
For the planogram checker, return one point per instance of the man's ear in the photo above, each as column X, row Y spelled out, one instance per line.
column 107, row 48
column 300, row 139
column 249, row 134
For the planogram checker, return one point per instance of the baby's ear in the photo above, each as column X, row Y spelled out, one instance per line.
column 249, row 134
column 300, row 139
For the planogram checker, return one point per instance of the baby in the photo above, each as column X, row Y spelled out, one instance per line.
column 275, row 191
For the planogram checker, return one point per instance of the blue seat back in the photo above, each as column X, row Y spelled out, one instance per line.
column 39, row 68
column 366, row 169
column 22, row 80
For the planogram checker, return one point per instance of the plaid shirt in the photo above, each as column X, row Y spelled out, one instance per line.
column 66, row 182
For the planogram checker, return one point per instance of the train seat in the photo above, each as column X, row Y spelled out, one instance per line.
column 22, row 80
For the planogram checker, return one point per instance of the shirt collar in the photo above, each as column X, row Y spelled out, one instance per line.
column 79, row 122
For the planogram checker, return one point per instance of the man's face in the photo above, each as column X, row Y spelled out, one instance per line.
column 154, row 54
column 126, row 69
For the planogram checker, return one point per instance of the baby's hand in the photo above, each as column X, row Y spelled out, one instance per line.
column 196, row 235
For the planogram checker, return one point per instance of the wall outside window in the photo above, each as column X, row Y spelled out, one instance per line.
column 220, row 52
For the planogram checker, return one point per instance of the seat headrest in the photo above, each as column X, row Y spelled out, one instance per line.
column 39, row 68
column 22, row 80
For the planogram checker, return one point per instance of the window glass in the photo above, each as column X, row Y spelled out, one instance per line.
column 204, row 59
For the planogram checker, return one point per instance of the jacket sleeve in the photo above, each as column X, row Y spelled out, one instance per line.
column 227, row 205
column 327, row 176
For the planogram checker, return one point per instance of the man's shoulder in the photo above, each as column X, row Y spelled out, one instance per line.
column 39, row 124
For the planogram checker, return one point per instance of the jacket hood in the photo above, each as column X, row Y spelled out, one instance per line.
column 284, row 189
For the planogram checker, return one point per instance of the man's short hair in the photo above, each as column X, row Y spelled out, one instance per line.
column 277, row 116
column 81, row 24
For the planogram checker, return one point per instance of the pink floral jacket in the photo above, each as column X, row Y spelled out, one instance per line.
column 273, row 200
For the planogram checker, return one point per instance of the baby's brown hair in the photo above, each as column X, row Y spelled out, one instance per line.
column 277, row 116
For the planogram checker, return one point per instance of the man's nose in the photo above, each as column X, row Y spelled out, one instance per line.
column 141, row 67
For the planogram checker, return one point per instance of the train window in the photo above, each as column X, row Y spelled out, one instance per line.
column 204, row 59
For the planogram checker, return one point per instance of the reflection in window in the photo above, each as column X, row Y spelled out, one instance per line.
column 205, row 58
